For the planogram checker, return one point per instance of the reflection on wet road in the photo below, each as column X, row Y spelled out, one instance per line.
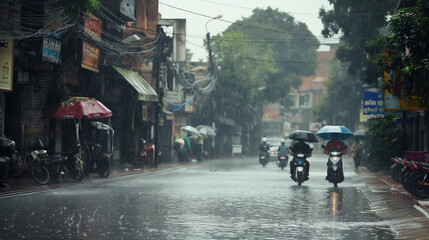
column 223, row 199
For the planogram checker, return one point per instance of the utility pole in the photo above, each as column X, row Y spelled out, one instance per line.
column 156, row 70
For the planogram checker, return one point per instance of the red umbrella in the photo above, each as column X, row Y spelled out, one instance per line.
column 76, row 108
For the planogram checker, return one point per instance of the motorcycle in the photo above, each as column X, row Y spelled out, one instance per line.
column 11, row 164
column 263, row 158
column 335, row 167
column 282, row 160
column 300, row 164
column 45, row 167
column 419, row 181
column 146, row 154
column 396, row 169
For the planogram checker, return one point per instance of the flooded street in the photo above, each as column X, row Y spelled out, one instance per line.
column 221, row 199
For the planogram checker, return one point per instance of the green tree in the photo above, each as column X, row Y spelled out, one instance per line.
column 407, row 46
column 359, row 23
column 75, row 8
column 272, row 38
column 341, row 103
column 385, row 140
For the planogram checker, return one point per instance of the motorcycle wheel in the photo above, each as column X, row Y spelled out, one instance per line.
column 335, row 178
column 39, row 173
column 417, row 186
column 78, row 170
column 300, row 178
column 395, row 172
column 104, row 168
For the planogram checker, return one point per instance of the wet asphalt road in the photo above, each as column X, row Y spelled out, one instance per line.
column 221, row 199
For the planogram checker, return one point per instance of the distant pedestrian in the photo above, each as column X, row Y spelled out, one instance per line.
column 357, row 153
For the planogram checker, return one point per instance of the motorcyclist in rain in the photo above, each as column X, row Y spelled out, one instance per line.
column 264, row 147
column 296, row 148
column 283, row 149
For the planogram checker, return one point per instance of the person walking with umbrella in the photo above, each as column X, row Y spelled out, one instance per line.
column 357, row 153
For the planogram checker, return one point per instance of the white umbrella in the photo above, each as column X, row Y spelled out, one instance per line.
column 191, row 130
column 207, row 131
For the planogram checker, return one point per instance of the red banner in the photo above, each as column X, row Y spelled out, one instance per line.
column 90, row 55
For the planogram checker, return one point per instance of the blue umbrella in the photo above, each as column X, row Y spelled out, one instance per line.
column 326, row 132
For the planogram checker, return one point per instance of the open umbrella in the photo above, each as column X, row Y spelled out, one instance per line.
column 360, row 134
column 326, row 132
column 306, row 136
column 191, row 130
column 206, row 130
column 77, row 108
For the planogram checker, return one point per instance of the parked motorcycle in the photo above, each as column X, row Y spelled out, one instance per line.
column 335, row 167
column 56, row 167
column 263, row 158
column 282, row 160
column 11, row 164
column 419, row 181
column 396, row 169
column 146, row 155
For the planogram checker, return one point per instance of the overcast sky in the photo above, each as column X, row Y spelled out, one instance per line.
column 196, row 11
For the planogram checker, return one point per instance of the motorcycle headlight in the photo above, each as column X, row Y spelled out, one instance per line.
column 335, row 159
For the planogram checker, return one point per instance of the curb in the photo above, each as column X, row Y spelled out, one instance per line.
column 26, row 185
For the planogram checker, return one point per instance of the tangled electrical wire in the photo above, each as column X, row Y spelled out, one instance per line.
column 19, row 23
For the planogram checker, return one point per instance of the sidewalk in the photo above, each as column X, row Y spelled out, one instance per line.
column 382, row 182
column 26, row 184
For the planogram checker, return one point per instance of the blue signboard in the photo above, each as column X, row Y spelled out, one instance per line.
column 373, row 103
column 51, row 48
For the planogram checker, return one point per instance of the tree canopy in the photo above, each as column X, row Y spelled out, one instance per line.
column 358, row 23
column 268, row 50
column 407, row 47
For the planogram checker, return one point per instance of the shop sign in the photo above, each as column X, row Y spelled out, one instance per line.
column 51, row 50
column 6, row 65
column 373, row 103
column 90, row 55
column 92, row 27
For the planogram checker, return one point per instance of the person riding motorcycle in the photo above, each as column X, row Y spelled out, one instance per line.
column 335, row 145
column 264, row 147
column 296, row 148
column 283, row 149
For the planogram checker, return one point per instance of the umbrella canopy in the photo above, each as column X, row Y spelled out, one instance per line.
column 326, row 132
column 306, row 136
column 191, row 130
column 206, row 130
column 360, row 133
column 77, row 108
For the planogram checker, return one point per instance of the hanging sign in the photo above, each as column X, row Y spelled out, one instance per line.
column 90, row 55
column 6, row 65
column 51, row 48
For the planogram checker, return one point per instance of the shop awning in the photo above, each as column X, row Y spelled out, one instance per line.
column 145, row 91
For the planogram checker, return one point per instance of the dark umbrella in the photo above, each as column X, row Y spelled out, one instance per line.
column 360, row 133
column 302, row 135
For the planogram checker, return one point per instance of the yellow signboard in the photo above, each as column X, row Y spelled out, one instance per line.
column 6, row 65
column 395, row 103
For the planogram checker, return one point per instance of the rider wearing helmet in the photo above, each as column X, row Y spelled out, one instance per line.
column 264, row 146
column 283, row 149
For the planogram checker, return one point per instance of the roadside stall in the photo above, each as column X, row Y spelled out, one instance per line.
column 79, row 118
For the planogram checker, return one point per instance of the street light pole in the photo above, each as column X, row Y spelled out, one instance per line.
column 211, row 66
